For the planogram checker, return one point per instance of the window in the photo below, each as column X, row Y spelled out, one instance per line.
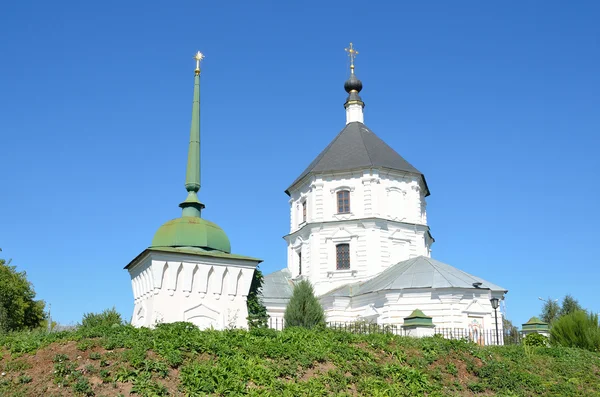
column 300, row 263
column 343, row 201
column 304, row 211
column 342, row 256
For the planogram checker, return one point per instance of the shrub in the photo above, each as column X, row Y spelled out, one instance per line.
column 536, row 340
column 578, row 329
column 303, row 309
column 108, row 318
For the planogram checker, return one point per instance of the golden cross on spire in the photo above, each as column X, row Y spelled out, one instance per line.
column 352, row 53
column 198, row 57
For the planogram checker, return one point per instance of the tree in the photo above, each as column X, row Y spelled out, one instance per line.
column 304, row 309
column 550, row 311
column 511, row 333
column 257, row 312
column 569, row 305
column 18, row 308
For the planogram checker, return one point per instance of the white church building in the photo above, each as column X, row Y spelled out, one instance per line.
column 359, row 234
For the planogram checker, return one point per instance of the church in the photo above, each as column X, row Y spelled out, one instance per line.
column 358, row 233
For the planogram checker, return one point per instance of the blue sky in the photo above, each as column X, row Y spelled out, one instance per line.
column 497, row 104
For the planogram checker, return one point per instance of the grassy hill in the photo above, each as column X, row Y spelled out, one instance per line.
column 180, row 360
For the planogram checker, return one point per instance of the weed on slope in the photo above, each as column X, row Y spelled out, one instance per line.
column 180, row 360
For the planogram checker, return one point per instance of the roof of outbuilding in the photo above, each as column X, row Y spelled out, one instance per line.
column 277, row 285
column 356, row 147
column 419, row 272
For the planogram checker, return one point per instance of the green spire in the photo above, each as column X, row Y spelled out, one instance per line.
column 192, row 205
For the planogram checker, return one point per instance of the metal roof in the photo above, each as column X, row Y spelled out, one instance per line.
column 277, row 285
column 356, row 147
column 419, row 272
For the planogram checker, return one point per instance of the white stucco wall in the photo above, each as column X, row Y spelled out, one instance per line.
column 390, row 195
column 387, row 224
column 206, row 291
column 449, row 308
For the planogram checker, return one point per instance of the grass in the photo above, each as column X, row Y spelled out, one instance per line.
column 178, row 359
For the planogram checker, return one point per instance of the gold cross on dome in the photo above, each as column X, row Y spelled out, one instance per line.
column 352, row 53
column 198, row 57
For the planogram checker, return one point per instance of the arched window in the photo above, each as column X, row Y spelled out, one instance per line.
column 343, row 201
column 342, row 256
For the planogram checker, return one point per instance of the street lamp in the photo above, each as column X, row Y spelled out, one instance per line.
column 547, row 300
column 495, row 302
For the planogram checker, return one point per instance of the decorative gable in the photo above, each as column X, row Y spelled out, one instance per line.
column 475, row 308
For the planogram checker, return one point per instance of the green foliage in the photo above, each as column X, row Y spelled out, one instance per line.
column 536, row 340
column 293, row 362
column 108, row 318
column 17, row 366
column 511, row 332
column 257, row 312
column 550, row 311
column 83, row 388
column 451, row 369
column 18, row 308
column 569, row 305
column 25, row 379
column 144, row 385
column 304, row 309
column 578, row 329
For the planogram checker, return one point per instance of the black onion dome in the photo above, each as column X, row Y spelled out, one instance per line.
column 353, row 84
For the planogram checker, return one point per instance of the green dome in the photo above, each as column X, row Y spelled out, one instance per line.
column 191, row 231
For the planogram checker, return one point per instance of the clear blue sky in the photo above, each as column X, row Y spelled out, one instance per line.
column 497, row 104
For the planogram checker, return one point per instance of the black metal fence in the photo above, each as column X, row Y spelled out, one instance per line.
column 484, row 337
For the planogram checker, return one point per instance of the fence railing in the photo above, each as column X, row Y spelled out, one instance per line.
column 485, row 337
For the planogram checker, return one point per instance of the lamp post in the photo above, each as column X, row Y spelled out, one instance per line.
column 547, row 300
column 495, row 302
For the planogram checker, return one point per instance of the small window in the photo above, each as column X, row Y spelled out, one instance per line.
column 343, row 201
column 300, row 263
column 304, row 211
column 342, row 256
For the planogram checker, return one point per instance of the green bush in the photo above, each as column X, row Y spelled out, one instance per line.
column 578, row 329
column 108, row 318
column 536, row 340
column 304, row 309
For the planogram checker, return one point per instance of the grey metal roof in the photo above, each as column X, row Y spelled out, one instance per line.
column 355, row 147
column 277, row 285
column 419, row 272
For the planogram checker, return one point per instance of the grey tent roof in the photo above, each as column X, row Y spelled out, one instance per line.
column 355, row 147
column 419, row 272
column 277, row 285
